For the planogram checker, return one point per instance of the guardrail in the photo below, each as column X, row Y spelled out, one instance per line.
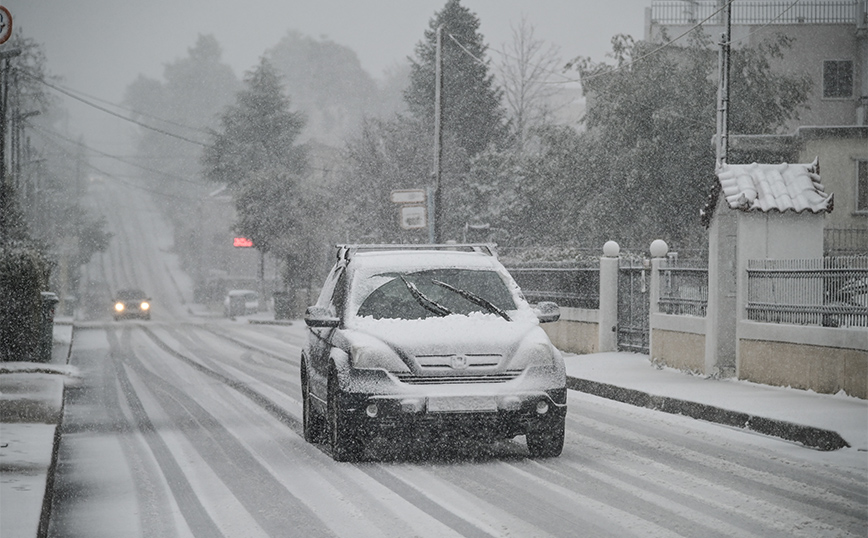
column 829, row 292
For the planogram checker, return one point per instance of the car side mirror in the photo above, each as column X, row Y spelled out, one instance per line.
column 317, row 316
column 547, row 311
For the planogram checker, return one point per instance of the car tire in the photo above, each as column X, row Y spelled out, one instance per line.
column 548, row 441
column 344, row 443
column 313, row 424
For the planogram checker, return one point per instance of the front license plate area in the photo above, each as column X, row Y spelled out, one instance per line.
column 462, row 404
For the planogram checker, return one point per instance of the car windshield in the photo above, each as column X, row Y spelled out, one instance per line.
column 437, row 292
column 130, row 295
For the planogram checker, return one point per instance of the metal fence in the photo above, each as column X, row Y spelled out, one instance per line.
column 684, row 289
column 845, row 242
column 829, row 292
column 781, row 12
column 563, row 283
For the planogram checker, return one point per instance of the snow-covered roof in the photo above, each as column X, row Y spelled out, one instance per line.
column 781, row 187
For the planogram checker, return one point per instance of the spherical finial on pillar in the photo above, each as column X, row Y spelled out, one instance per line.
column 611, row 249
column 659, row 248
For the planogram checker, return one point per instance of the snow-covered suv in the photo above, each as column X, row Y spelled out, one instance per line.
column 428, row 340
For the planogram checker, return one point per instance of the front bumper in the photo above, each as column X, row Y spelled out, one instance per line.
column 379, row 403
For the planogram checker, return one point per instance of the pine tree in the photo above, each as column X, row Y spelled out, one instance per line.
column 471, row 111
column 259, row 132
column 257, row 157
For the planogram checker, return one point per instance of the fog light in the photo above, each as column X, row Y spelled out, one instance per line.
column 371, row 410
column 542, row 407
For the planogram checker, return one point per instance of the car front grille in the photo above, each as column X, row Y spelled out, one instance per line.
column 414, row 379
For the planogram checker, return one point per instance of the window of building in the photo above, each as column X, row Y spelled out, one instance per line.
column 862, row 186
column 837, row 79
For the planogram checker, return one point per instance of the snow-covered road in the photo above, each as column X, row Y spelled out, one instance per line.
column 177, row 430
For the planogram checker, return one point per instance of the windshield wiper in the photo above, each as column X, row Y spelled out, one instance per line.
column 426, row 303
column 475, row 299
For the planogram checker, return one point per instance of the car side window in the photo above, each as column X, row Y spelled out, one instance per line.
column 336, row 306
column 331, row 288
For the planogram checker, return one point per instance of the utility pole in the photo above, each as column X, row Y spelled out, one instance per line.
column 721, row 320
column 434, row 225
column 5, row 57
column 723, row 89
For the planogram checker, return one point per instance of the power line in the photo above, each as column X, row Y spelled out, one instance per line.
column 107, row 111
column 117, row 178
column 660, row 48
column 781, row 14
column 121, row 107
column 49, row 132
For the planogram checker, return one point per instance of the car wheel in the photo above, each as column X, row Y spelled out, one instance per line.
column 314, row 428
column 548, row 441
column 344, row 444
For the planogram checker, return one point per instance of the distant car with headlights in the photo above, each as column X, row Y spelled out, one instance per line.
column 429, row 341
column 131, row 303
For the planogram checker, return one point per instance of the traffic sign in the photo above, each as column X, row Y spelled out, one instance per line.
column 413, row 217
column 242, row 242
column 408, row 196
column 5, row 25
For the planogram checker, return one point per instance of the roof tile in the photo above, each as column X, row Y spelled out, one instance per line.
column 774, row 187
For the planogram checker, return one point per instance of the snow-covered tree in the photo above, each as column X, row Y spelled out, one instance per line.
column 471, row 109
column 259, row 132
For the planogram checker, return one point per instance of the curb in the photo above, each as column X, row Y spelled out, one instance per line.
column 269, row 322
column 48, row 497
column 809, row 436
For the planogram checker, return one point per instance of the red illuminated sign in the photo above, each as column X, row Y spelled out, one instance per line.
column 242, row 242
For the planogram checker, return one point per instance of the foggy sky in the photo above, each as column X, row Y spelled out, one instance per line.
column 100, row 46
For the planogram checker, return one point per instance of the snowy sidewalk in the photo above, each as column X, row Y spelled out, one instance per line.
column 31, row 404
column 797, row 415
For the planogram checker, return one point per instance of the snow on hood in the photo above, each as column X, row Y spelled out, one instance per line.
column 473, row 333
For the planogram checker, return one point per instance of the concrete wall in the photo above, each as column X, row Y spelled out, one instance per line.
column 822, row 359
column 576, row 332
column 678, row 342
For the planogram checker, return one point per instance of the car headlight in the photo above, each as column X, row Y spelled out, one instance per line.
column 381, row 358
column 145, row 305
column 119, row 307
column 540, row 354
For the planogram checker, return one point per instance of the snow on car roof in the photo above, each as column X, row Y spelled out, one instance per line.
column 423, row 259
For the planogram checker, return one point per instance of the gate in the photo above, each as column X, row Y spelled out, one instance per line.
column 633, row 306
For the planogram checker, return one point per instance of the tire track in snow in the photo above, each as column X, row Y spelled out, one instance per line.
column 411, row 495
column 194, row 513
column 265, row 499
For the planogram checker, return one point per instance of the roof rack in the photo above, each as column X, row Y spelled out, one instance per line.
column 345, row 251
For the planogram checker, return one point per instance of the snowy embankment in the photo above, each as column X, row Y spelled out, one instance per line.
column 31, row 406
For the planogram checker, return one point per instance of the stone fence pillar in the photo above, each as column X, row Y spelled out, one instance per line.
column 608, row 318
column 659, row 249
